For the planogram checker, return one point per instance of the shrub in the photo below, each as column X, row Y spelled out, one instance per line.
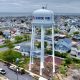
column 63, row 69
column 75, row 60
column 63, row 55
column 75, row 33
column 11, row 55
column 48, row 51
column 18, row 39
column 68, row 60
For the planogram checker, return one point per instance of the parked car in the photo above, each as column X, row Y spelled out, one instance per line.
column 14, row 68
column 2, row 71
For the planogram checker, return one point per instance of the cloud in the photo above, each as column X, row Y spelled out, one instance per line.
column 68, row 6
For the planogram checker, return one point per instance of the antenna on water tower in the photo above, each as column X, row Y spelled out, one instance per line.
column 44, row 7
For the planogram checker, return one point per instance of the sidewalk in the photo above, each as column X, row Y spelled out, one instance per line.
column 3, row 78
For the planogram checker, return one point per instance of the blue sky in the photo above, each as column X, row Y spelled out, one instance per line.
column 59, row 6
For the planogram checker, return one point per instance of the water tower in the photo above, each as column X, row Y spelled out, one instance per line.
column 42, row 18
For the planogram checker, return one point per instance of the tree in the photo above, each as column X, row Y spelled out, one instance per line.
column 62, row 69
column 45, row 44
column 48, row 32
column 18, row 38
column 48, row 51
column 62, row 55
column 75, row 33
column 68, row 60
column 1, row 33
column 9, row 44
column 26, row 37
column 11, row 55
column 68, row 35
column 56, row 31
column 38, row 44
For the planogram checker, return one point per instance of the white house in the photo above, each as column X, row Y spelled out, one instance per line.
column 75, row 50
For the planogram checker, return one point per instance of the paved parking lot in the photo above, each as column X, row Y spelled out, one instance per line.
column 12, row 75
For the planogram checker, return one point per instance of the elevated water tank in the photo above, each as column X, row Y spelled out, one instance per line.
column 43, row 16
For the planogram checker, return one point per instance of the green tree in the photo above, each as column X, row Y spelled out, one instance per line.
column 11, row 55
column 76, row 33
column 48, row 51
column 62, row 69
column 38, row 44
column 68, row 60
column 68, row 35
column 62, row 55
column 9, row 44
column 48, row 32
column 56, row 31
column 1, row 33
column 26, row 37
column 45, row 44
column 18, row 38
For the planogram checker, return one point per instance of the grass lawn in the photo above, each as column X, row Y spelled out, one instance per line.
column 1, row 46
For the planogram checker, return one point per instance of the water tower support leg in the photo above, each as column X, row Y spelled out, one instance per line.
column 33, row 43
column 42, row 50
column 53, row 48
column 32, row 39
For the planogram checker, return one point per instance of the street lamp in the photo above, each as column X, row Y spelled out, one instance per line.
column 17, row 73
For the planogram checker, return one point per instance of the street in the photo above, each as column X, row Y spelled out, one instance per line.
column 5, row 48
column 12, row 75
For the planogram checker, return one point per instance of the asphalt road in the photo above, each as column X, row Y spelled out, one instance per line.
column 13, row 76
column 5, row 48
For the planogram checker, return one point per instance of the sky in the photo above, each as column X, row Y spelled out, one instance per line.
column 58, row 6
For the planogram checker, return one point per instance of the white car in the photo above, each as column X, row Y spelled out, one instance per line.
column 2, row 71
column 13, row 67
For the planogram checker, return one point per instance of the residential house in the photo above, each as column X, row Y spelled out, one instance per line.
column 75, row 50
column 63, row 45
column 7, row 34
column 76, row 37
